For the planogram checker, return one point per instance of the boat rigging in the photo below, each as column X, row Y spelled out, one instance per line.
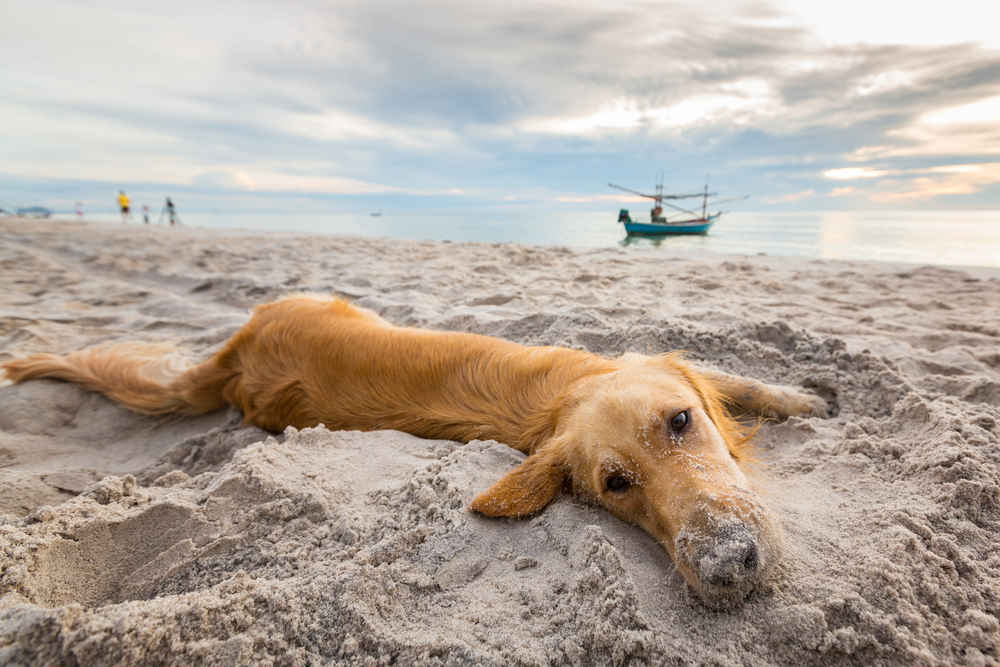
column 686, row 222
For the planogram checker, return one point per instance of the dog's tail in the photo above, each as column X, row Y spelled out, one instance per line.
column 146, row 377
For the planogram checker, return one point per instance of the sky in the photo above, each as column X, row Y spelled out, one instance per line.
column 311, row 106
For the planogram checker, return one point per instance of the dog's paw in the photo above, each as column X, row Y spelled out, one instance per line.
column 795, row 403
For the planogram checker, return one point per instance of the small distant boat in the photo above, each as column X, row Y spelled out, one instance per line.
column 684, row 222
column 34, row 212
column 376, row 214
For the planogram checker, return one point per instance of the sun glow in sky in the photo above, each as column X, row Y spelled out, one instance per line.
column 917, row 22
column 823, row 105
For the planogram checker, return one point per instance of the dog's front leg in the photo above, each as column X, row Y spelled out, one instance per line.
column 769, row 400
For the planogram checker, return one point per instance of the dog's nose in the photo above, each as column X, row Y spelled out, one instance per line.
column 731, row 558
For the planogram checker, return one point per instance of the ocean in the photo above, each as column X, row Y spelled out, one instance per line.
column 960, row 238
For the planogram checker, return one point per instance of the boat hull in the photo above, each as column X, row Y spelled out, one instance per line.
column 700, row 226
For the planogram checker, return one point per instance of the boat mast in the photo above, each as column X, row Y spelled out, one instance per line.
column 659, row 197
column 704, row 201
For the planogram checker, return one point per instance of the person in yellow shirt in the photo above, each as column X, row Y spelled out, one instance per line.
column 123, row 203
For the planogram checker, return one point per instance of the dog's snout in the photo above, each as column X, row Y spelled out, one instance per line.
column 732, row 557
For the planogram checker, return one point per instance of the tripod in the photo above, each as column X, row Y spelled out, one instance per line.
column 170, row 212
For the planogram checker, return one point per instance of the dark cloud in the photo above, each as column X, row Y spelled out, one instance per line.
column 455, row 64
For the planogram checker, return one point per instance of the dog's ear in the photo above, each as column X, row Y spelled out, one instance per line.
column 527, row 488
column 718, row 392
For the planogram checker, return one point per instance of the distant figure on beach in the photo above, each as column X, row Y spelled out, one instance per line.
column 171, row 213
column 145, row 213
column 123, row 203
column 79, row 210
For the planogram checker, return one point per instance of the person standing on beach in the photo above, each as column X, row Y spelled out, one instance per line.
column 79, row 210
column 123, row 203
column 171, row 213
column 145, row 214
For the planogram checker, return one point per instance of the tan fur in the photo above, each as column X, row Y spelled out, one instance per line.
column 581, row 418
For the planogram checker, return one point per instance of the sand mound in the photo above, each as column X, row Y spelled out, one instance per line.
column 211, row 542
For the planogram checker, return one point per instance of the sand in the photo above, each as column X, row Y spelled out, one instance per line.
column 133, row 540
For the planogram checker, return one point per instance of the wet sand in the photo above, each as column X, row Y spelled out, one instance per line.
column 129, row 539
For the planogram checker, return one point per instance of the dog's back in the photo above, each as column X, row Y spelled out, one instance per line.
column 307, row 360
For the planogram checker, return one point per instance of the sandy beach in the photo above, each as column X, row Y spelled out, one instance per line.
column 135, row 540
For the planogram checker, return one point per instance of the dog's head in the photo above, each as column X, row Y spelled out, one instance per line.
column 653, row 443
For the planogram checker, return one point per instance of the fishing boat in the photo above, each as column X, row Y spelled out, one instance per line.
column 685, row 221
column 34, row 212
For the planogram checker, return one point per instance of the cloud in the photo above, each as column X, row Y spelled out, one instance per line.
column 738, row 104
column 958, row 179
column 794, row 197
column 265, row 179
column 917, row 183
column 968, row 129
column 847, row 173
column 446, row 96
column 588, row 199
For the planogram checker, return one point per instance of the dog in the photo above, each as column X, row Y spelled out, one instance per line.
column 650, row 438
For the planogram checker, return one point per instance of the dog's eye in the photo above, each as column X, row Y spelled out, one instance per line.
column 617, row 483
column 679, row 421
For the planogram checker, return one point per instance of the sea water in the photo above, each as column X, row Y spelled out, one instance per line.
column 962, row 238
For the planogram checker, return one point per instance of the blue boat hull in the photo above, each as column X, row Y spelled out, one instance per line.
column 672, row 228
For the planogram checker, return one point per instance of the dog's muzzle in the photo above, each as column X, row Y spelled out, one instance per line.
column 731, row 559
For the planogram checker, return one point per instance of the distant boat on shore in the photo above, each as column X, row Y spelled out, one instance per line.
column 685, row 222
column 34, row 212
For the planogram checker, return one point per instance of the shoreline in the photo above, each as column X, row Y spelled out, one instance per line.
column 171, row 541
column 732, row 240
column 980, row 271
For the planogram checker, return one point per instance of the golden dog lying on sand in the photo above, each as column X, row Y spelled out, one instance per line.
column 649, row 438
